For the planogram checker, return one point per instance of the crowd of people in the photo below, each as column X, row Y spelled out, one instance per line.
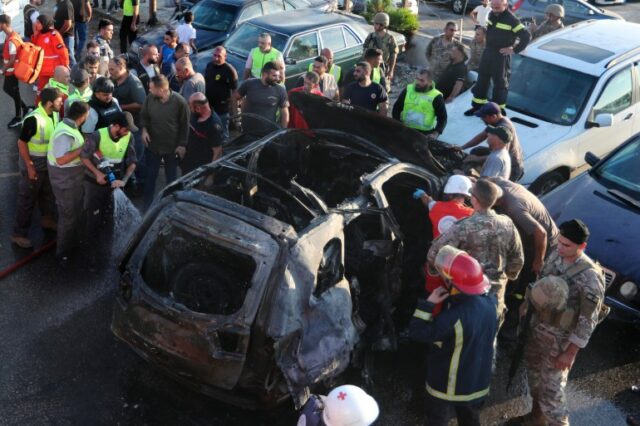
column 101, row 123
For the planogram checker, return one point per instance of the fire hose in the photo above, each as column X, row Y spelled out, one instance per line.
column 20, row 263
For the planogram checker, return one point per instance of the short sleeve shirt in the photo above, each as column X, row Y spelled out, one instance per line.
column 80, row 10
column 483, row 14
column 498, row 164
column 131, row 91
column 221, row 80
column 64, row 12
column 263, row 100
column 186, row 32
column 91, row 145
column 365, row 97
column 192, row 85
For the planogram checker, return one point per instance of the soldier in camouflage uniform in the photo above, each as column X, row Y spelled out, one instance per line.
column 556, row 336
column 490, row 238
column 381, row 39
column 476, row 48
column 554, row 13
column 439, row 50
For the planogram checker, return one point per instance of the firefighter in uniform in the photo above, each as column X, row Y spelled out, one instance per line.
column 66, row 175
column 491, row 238
column 459, row 371
column 381, row 39
column 421, row 106
column 260, row 55
column 34, row 186
column 503, row 29
column 558, row 332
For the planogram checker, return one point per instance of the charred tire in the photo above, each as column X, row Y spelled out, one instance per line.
column 548, row 181
column 457, row 6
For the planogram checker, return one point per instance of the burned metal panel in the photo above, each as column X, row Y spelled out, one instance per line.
column 206, row 348
column 314, row 334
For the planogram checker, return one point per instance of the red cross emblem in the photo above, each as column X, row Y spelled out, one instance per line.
column 342, row 396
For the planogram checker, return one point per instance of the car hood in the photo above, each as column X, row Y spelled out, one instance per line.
column 609, row 14
column 401, row 142
column 534, row 134
column 206, row 39
column 613, row 224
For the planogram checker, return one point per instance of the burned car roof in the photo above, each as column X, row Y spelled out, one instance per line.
column 253, row 278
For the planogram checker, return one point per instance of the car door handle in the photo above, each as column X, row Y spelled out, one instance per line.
column 628, row 116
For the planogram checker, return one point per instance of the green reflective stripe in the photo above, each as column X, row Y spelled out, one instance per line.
column 113, row 151
column 503, row 106
column 502, row 26
column 517, row 28
column 418, row 111
column 457, row 398
column 455, row 358
column 423, row 315
column 258, row 59
column 480, row 101
column 376, row 76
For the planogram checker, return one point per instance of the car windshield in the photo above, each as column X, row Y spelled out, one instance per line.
column 213, row 16
column 548, row 92
column 246, row 38
column 620, row 171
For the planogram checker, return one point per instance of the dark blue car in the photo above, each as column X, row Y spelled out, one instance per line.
column 607, row 199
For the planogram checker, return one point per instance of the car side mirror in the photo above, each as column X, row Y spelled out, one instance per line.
column 290, row 61
column 601, row 120
column 591, row 158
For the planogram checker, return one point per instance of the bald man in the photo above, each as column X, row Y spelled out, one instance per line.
column 60, row 80
column 222, row 81
column 205, row 135
column 190, row 81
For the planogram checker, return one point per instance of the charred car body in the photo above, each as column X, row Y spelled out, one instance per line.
column 262, row 274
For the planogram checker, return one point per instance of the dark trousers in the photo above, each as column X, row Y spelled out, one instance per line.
column 126, row 35
column 12, row 89
column 153, row 168
column 98, row 204
column 80, row 32
column 494, row 67
column 31, row 192
column 439, row 412
column 67, row 185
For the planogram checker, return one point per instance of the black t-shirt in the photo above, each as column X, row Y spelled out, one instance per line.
column 452, row 74
column 366, row 97
column 64, row 12
column 221, row 80
column 80, row 10
column 203, row 137
column 26, row 13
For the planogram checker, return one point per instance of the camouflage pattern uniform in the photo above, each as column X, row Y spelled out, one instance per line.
column 475, row 53
column 490, row 238
column 550, row 336
column 545, row 28
column 439, row 55
column 389, row 48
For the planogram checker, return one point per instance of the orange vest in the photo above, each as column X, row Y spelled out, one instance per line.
column 55, row 52
column 5, row 51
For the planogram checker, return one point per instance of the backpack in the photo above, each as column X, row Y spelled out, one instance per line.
column 29, row 59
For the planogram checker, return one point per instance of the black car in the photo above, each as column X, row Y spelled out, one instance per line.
column 528, row 10
column 214, row 20
column 607, row 199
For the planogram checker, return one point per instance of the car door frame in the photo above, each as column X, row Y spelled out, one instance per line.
column 300, row 66
column 342, row 57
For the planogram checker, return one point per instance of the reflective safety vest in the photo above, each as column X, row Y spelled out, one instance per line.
column 113, row 151
column 127, row 8
column 76, row 95
column 335, row 71
column 64, row 88
column 418, row 112
column 78, row 140
column 39, row 143
column 258, row 59
column 376, row 75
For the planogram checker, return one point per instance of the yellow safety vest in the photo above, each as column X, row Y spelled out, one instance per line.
column 127, row 8
column 76, row 95
column 376, row 76
column 78, row 140
column 258, row 59
column 39, row 143
column 113, row 151
column 418, row 112
column 57, row 85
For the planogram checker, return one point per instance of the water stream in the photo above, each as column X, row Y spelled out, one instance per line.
column 126, row 219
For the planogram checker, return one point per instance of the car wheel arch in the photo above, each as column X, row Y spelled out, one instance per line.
column 550, row 180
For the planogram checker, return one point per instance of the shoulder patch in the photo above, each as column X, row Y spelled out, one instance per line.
column 592, row 298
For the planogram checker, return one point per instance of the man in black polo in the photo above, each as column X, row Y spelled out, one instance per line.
column 365, row 93
column 222, row 80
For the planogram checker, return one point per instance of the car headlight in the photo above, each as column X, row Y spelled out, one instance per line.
column 629, row 290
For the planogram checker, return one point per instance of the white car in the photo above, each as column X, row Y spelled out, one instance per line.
column 572, row 91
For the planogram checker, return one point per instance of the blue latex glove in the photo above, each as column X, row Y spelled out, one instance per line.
column 418, row 194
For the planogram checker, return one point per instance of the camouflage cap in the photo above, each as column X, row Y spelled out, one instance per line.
column 549, row 294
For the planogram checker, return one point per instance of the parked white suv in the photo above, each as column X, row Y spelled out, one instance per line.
column 572, row 91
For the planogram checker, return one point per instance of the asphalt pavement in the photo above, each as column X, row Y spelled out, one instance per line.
column 61, row 365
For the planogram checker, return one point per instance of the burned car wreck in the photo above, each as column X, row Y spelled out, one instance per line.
column 265, row 273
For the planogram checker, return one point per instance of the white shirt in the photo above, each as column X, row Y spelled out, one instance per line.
column 483, row 14
column 186, row 33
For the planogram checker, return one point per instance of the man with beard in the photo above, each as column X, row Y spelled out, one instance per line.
column 66, row 175
column 103, row 106
column 205, row 135
column 365, row 93
column 421, row 106
column 103, row 38
column 264, row 97
column 165, row 127
column 148, row 67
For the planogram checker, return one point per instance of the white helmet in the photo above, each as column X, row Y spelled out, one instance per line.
column 349, row 405
column 458, row 184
